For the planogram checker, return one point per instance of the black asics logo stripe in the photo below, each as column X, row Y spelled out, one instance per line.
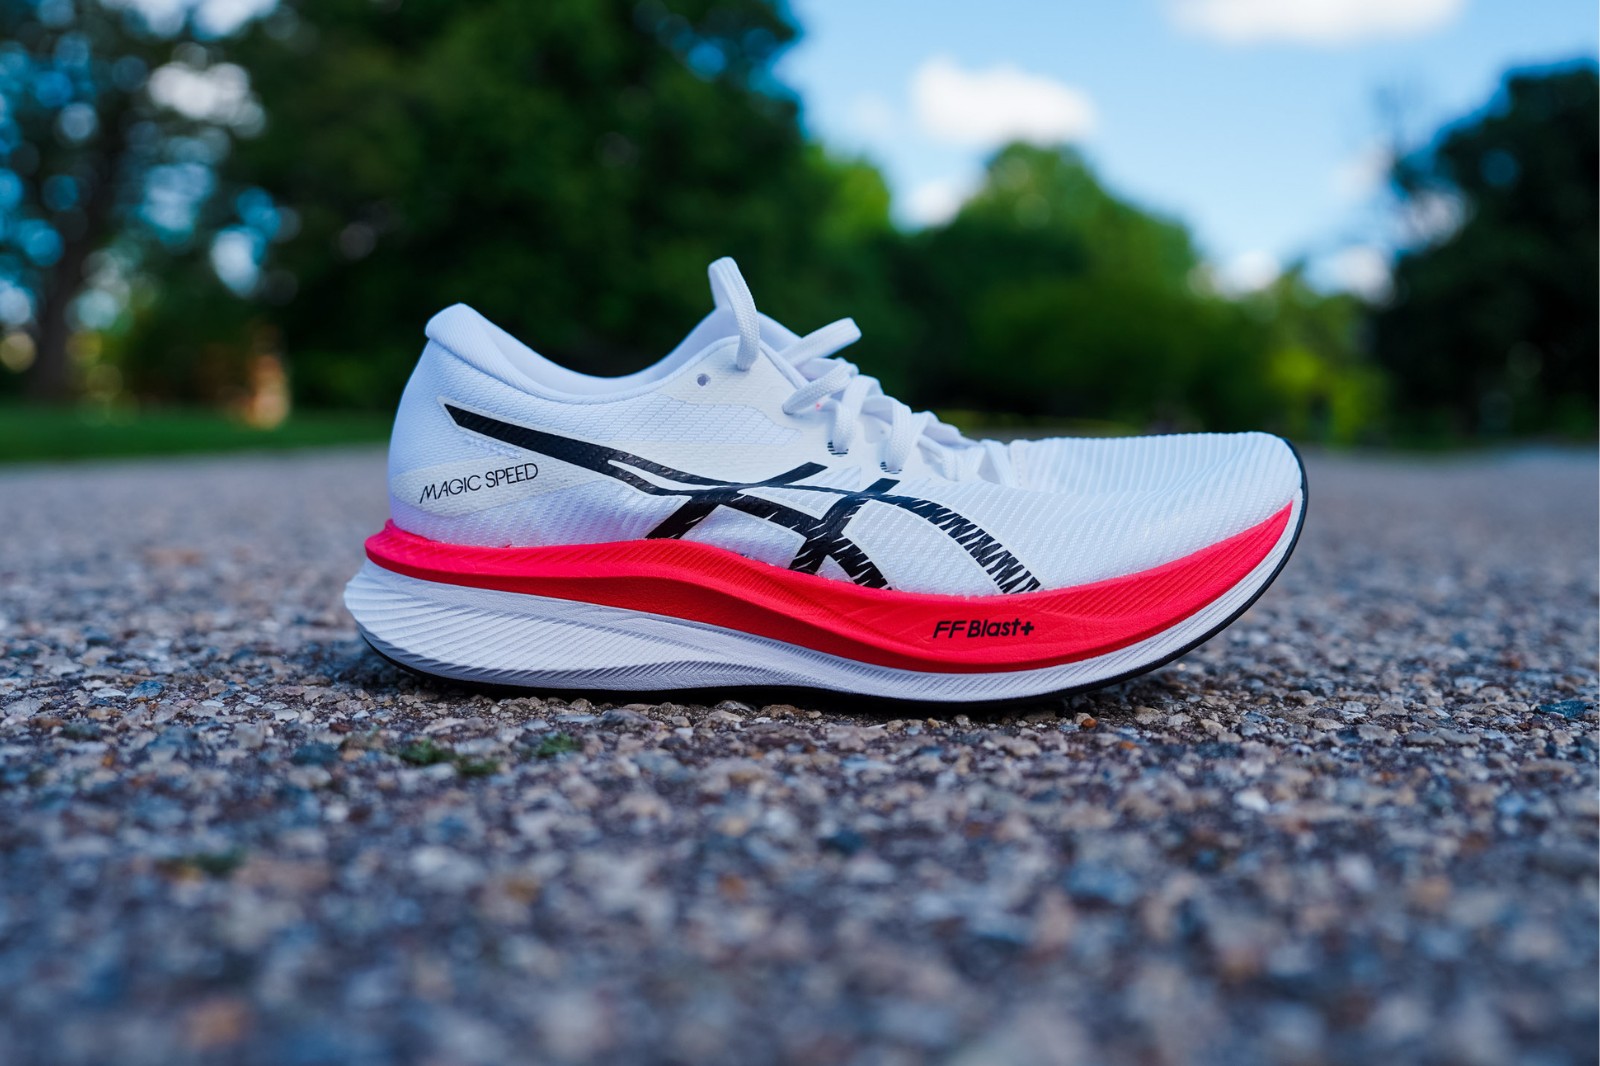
column 824, row 537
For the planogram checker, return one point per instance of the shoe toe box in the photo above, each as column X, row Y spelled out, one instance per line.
column 1128, row 505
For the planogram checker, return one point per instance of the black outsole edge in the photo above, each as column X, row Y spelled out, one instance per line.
column 767, row 693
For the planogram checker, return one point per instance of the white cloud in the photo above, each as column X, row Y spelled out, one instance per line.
column 934, row 203
column 1361, row 269
column 1361, row 176
column 1249, row 271
column 1319, row 22
column 985, row 108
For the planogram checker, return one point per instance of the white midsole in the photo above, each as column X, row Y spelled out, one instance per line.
column 511, row 638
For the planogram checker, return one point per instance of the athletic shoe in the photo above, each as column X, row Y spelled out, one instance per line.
column 752, row 511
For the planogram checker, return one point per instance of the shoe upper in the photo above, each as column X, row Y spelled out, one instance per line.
column 753, row 439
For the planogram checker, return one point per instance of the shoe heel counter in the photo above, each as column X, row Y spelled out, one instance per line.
column 420, row 422
column 431, row 461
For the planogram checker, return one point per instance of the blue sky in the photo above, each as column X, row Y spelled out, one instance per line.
column 1256, row 122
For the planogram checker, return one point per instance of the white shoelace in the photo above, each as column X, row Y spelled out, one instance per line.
column 849, row 395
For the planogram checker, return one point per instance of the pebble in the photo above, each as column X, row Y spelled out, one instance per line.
column 1359, row 825
column 1567, row 708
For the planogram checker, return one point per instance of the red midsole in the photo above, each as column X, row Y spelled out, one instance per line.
column 905, row 630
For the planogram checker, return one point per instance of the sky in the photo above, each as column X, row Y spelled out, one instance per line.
column 1264, row 125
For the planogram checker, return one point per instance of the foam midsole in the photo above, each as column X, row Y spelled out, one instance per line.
column 714, row 587
column 510, row 638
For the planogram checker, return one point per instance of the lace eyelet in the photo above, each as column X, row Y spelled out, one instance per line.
column 703, row 380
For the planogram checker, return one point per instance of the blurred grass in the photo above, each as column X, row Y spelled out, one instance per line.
column 33, row 434
column 42, row 434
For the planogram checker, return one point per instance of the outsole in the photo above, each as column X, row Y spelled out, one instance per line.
column 508, row 640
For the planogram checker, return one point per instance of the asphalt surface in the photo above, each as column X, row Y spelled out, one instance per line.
column 1359, row 826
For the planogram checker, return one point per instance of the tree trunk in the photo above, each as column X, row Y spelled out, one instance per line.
column 51, row 378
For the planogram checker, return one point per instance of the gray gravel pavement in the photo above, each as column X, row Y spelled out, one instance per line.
column 1360, row 826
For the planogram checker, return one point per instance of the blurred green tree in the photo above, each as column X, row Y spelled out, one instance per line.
column 1049, row 295
column 569, row 167
column 110, row 120
column 190, row 202
column 1492, row 328
column 1323, row 383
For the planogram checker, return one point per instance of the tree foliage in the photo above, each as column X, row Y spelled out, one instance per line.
column 92, row 156
column 570, row 166
column 1493, row 326
column 1048, row 295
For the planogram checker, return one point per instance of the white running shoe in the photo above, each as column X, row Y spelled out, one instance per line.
column 753, row 511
